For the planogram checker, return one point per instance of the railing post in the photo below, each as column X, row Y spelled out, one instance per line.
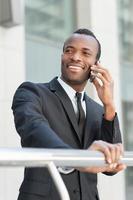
column 61, row 188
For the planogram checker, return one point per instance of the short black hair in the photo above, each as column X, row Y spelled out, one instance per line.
column 85, row 31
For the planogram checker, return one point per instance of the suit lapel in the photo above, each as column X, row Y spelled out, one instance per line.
column 88, row 121
column 66, row 102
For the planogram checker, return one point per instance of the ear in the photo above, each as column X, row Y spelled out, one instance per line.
column 96, row 62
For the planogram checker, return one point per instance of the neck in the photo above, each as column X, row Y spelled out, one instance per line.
column 77, row 87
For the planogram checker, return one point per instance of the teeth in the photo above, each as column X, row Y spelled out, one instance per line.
column 75, row 67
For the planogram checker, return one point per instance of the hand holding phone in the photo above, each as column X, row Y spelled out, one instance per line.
column 104, row 84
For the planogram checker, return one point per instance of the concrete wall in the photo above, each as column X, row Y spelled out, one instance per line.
column 104, row 23
column 11, row 75
column 101, row 17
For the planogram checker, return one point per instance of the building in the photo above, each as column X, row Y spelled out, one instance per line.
column 30, row 50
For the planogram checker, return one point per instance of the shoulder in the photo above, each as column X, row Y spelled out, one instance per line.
column 29, row 92
column 30, row 87
column 26, row 88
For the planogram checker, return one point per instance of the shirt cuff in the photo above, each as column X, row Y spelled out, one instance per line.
column 110, row 121
column 65, row 170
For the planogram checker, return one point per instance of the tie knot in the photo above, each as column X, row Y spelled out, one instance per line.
column 79, row 96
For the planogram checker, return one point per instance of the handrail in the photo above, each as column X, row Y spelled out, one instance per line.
column 32, row 157
column 50, row 158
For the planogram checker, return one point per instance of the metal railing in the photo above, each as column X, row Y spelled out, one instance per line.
column 52, row 158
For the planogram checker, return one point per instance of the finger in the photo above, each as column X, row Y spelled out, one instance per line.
column 97, row 79
column 107, row 154
column 113, row 153
column 96, row 83
column 104, row 148
column 106, row 79
column 119, row 168
column 103, row 79
column 116, row 153
column 101, row 75
column 93, row 169
column 100, row 69
column 119, row 151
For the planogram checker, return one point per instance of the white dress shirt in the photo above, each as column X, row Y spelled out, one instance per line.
column 72, row 95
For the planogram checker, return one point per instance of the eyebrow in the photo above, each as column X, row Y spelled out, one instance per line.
column 86, row 49
column 69, row 47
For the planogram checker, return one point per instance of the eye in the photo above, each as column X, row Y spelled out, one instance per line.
column 86, row 53
column 68, row 51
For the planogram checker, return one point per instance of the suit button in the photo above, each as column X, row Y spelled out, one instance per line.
column 75, row 191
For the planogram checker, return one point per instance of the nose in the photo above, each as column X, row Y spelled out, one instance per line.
column 76, row 57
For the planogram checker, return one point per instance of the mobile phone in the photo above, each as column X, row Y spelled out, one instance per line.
column 92, row 77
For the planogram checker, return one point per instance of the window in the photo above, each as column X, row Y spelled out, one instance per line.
column 126, row 57
column 49, row 19
column 47, row 24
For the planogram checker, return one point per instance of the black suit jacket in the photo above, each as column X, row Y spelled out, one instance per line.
column 45, row 118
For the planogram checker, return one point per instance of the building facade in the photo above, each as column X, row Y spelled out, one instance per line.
column 31, row 51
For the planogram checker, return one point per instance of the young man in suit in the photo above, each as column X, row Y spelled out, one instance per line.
column 48, row 115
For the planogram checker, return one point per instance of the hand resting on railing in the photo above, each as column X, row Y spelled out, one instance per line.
column 112, row 153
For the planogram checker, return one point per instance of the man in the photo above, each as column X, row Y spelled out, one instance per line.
column 51, row 115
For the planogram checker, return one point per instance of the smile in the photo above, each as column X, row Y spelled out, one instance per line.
column 75, row 68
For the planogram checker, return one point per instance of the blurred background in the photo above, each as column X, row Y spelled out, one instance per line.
column 32, row 33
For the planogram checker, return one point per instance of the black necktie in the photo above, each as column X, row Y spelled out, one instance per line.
column 81, row 114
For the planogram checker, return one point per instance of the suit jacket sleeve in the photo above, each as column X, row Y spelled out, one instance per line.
column 110, row 131
column 30, row 122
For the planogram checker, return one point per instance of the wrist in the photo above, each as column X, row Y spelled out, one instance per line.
column 110, row 111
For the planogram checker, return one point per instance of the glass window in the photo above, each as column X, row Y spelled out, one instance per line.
column 49, row 19
column 128, row 139
column 126, row 57
column 47, row 24
column 126, row 29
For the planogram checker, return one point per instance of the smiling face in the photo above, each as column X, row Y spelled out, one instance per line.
column 79, row 54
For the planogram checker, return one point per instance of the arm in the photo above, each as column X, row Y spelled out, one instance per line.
column 110, row 132
column 104, row 86
column 30, row 122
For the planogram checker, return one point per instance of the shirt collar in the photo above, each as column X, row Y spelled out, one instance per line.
column 69, row 90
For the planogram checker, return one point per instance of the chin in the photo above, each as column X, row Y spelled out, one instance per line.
column 76, row 81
